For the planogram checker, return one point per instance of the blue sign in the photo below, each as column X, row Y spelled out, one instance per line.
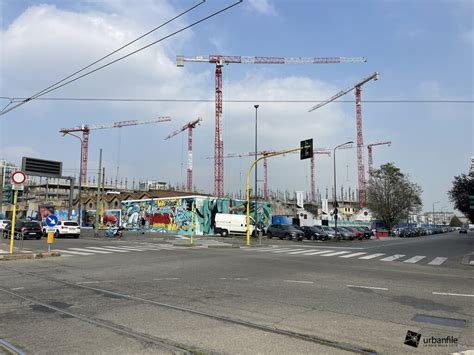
column 51, row 220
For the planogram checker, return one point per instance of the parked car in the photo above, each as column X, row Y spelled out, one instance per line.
column 357, row 232
column 329, row 231
column 314, row 233
column 463, row 230
column 345, row 233
column 367, row 232
column 64, row 228
column 23, row 230
column 287, row 231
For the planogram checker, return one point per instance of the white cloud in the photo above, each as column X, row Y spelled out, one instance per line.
column 262, row 6
column 45, row 43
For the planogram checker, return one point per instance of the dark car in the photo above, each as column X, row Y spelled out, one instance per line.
column 367, row 232
column 24, row 230
column 314, row 233
column 463, row 230
column 345, row 233
column 286, row 231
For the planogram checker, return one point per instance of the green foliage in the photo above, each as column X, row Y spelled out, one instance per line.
column 455, row 222
column 463, row 188
column 391, row 196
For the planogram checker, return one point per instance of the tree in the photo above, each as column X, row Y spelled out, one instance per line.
column 463, row 187
column 455, row 222
column 391, row 196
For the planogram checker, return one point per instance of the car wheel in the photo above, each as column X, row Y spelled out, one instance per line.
column 288, row 237
column 56, row 234
column 225, row 233
column 269, row 235
column 76, row 236
column 39, row 237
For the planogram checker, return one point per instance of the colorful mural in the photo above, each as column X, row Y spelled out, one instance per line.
column 175, row 215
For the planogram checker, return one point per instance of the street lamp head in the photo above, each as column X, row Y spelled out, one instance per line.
column 256, row 106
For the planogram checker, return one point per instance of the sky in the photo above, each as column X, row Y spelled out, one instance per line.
column 422, row 49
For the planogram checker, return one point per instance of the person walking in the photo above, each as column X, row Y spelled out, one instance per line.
column 143, row 224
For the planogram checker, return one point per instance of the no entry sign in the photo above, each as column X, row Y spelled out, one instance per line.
column 18, row 177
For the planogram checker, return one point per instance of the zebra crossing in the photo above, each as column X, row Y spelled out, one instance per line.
column 350, row 254
column 112, row 249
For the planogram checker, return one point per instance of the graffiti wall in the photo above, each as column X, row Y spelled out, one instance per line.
column 176, row 215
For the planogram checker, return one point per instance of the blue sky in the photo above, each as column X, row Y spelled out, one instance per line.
column 422, row 49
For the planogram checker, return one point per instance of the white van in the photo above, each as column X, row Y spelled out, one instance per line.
column 232, row 223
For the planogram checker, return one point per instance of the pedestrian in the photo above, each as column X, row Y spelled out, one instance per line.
column 143, row 223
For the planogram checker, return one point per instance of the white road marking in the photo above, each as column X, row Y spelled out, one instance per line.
column 300, row 282
column 128, row 248
column 3, row 252
column 393, row 257
column 234, row 278
column 264, row 249
column 437, row 261
column 452, row 294
column 336, row 253
column 369, row 287
column 112, row 249
column 471, row 262
column 371, row 256
column 415, row 259
column 304, row 251
column 17, row 288
column 74, row 252
column 286, row 250
column 320, row 252
column 91, row 251
column 167, row 278
column 352, row 255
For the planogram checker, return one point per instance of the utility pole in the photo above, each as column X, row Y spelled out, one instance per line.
column 96, row 224
column 256, row 186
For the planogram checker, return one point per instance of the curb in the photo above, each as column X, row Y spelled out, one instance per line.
column 187, row 245
column 220, row 246
column 10, row 257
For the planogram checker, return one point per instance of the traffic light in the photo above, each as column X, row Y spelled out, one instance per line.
column 306, row 149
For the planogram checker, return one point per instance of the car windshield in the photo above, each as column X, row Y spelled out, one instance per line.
column 31, row 224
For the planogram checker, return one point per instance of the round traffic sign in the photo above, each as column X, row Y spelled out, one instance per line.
column 18, row 177
column 51, row 220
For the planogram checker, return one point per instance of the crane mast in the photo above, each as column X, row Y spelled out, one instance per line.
column 369, row 155
column 189, row 170
column 219, row 61
column 85, row 129
column 360, row 138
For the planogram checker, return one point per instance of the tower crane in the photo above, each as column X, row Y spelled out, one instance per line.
column 360, row 139
column 189, row 171
column 219, row 61
column 369, row 155
column 265, row 166
column 85, row 129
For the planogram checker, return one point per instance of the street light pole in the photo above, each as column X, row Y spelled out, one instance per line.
column 335, row 191
column 444, row 214
column 256, row 188
column 79, row 219
column 434, row 212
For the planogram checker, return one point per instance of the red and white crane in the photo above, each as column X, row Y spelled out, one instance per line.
column 369, row 154
column 85, row 129
column 219, row 61
column 360, row 139
column 265, row 166
column 189, row 171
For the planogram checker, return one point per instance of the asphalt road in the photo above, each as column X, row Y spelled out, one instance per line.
column 145, row 295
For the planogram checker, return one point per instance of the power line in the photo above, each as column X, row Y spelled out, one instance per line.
column 13, row 99
column 55, row 87
column 42, row 92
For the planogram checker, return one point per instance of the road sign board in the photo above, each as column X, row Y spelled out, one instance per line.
column 18, row 187
column 18, row 177
column 51, row 220
column 50, row 230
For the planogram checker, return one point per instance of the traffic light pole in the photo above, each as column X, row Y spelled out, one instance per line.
column 247, row 186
